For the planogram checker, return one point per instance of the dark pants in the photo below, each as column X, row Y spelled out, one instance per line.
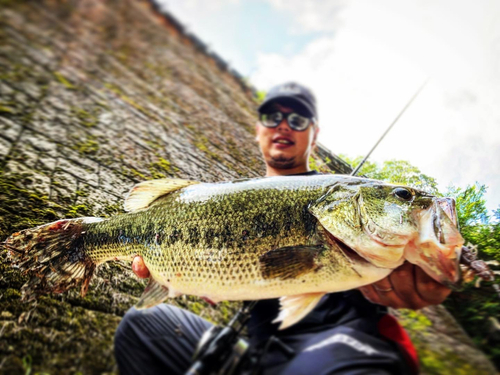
column 162, row 339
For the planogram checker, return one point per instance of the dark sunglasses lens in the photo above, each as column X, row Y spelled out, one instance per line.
column 271, row 120
column 298, row 122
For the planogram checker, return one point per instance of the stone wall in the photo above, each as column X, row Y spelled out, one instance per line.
column 95, row 96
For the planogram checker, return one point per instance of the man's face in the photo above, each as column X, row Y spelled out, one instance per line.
column 283, row 147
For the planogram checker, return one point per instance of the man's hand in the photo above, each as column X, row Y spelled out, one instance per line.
column 406, row 287
column 140, row 268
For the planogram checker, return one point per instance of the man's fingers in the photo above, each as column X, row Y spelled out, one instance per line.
column 430, row 290
column 406, row 286
column 370, row 294
column 382, row 293
column 386, row 292
column 140, row 268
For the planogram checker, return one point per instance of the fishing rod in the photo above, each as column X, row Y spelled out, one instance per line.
column 356, row 170
column 468, row 256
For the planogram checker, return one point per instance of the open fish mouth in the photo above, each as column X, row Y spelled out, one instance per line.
column 437, row 250
column 449, row 208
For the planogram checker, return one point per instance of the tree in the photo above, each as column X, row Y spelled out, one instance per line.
column 395, row 171
column 475, row 309
column 476, row 226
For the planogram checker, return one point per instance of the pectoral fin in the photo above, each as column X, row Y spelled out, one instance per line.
column 290, row 262
column 294, row 308
column 153, row 295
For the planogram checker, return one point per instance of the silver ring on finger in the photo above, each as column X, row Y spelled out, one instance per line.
column 383, row 290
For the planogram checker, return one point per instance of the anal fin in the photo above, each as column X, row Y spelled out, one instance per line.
column 294, row 308
column 153, row 295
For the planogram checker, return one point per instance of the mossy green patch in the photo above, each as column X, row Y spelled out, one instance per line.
column 21, row 207
column 78, row 210
column 134, row 173
column 414, row 320
column 6, row 110
column 201, row 144
column 89, row 146
column 115, row 89
column 162, row 168
column 435, row 357
column 64, row 81
column 16, row 72
column 84, row 117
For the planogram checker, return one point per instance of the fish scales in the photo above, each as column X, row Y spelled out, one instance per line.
column 292, row 237
column 190, row 239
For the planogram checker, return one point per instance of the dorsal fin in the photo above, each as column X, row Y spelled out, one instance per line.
column 143, row 194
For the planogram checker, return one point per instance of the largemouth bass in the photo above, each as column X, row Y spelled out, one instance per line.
column 293, row 237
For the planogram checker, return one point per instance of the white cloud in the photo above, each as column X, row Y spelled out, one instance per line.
column 365, row 73
column 367, row 61
column 312, row 15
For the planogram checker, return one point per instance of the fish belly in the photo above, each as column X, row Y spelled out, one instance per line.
column 235, row 277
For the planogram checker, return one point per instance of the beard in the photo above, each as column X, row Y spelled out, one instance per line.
column 280, row 162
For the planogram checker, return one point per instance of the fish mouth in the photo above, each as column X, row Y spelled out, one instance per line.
column 449, row 208
column 438, row 247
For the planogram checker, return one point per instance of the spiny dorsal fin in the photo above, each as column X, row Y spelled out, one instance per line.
column 294, row 308
column 145, row 193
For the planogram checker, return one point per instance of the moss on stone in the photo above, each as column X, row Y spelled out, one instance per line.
column 162, row 168
column 6, row 110
column 436, row 357
column 84, row 117
column 78, row 210
column 90, row 146
column 134, row 173
column 64, row 81
column 130, row 101
column 22, row 207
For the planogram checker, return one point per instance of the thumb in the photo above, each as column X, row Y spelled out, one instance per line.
column 139, row 268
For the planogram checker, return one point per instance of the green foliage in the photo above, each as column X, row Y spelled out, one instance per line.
column 318, row 165
column 395, row 171
column 471, row 205
column 476, row 226
column 473, row 308
column 260, row 96
column 414, row 320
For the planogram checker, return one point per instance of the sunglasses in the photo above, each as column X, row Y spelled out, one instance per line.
column 295, row 121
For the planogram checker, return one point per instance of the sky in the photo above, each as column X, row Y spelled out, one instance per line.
column 364, row 60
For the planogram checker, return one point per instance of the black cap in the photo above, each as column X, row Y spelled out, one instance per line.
column 293, row 93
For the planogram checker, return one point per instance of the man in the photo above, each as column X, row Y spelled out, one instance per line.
column 344, row 334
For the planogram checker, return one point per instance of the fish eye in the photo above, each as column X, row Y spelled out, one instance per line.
column 403, row 194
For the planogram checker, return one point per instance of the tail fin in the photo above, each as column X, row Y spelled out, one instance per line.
column 53, row 256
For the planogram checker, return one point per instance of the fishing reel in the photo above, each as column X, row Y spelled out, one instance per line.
column 221, row 350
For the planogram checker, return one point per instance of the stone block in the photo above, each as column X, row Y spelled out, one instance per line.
column 5, row 147
column 9, row 129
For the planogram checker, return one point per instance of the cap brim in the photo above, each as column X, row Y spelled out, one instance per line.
column 284, row 100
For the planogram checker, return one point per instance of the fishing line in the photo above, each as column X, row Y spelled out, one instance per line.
column 353, row 173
